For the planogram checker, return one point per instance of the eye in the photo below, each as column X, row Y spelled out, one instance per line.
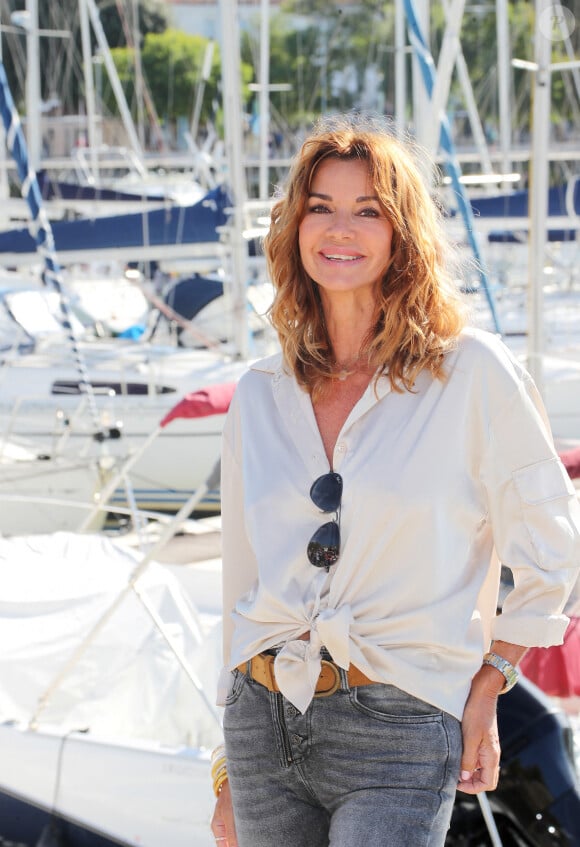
column 318, row 209
column 370, row 212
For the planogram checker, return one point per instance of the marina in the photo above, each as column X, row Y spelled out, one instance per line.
column 129, row 308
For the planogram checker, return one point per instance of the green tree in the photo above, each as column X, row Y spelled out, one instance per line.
column 153, row 17
column 61, row 57
column 320, row 49
column 172, row 63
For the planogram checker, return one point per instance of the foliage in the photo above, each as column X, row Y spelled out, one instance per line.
column 61, row 56
column 321, row 47
column 333, row 57
column 172, row 63
column 323, row 51
column 478, row 38
column 153, row 17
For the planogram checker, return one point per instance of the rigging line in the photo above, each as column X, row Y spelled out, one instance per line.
column 41, row 230
column 150, row 105
column 423, row 53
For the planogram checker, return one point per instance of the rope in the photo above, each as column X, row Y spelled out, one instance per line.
column 421, row 50
column 41, row 230
column 148, row 99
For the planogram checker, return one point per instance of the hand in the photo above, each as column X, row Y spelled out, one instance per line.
column 481, row 748
column 222, row 823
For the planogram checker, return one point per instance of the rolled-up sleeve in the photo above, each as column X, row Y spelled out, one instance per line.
column 535, row 518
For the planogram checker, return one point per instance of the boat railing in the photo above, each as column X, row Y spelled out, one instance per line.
column 65, row 423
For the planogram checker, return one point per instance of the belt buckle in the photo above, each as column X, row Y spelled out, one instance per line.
column 335, row 683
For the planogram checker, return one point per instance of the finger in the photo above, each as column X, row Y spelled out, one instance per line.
column 481, row 779
column 483, row 776
column 219, row 834
column 469, row 759
column 218, row 828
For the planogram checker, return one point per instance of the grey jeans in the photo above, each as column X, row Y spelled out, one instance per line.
column 366, row 767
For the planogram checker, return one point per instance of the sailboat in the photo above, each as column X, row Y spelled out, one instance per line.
column 130, row 386
column 536, row 324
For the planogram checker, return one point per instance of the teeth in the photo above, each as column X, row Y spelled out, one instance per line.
column 341, row 258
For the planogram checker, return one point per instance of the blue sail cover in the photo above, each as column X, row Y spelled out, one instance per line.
column 51, row 189
column 196, row 224
column 562, row 200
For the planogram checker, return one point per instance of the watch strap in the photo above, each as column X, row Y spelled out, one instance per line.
column 506, row 668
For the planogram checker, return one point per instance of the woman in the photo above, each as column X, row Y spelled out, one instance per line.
column 368, row 472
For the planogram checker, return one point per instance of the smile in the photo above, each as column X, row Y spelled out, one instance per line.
column 335, row 258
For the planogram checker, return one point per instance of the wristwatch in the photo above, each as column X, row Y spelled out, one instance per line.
column 503, row 666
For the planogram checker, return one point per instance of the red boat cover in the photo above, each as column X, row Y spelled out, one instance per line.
column 571, row 460
column 556, row 670
column 212, row 400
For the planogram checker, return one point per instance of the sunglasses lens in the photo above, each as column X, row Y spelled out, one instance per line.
column 326, row 492
column 324, row 546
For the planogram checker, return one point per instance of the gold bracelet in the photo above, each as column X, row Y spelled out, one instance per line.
column 219, row 771
column 218, row 774
column 219, row 783
column 217, row 766
column 218, row 752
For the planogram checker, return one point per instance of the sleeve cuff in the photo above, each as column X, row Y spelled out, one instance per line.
column 530, row 632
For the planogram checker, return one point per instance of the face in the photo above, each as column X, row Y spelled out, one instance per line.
column 344, row 237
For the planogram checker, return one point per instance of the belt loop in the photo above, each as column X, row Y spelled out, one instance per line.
column 270, row 673
column 344, row 679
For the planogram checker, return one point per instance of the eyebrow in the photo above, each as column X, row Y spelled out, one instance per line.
column 363, row 199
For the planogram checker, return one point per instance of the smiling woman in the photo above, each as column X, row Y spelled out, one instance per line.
column 368, row 471
column 360, row 223
column 345, row 237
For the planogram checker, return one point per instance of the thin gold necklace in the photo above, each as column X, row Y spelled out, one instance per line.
column 345, row 369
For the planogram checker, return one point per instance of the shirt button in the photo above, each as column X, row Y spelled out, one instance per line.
column 341, row 447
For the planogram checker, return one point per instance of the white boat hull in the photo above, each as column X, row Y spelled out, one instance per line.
column 103, row 792
column 137, row 385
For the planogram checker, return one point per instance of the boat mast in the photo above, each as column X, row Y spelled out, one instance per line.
column 503, row 71
column 113, row 76
column 539, row 181
column 33, row 95
column 233, row 132
column 264, row 96
column 89, row 90
column 400, row 70
column 423, row 55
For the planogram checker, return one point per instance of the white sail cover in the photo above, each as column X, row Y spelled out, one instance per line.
column 80, row 649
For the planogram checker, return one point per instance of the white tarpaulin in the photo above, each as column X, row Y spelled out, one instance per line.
column 80, row 649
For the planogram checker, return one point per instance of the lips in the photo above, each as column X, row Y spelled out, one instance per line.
column 340, row 257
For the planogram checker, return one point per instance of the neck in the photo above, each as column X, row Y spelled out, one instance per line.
column 343, row 368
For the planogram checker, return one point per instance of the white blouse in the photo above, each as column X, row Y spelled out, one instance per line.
column 435, row 481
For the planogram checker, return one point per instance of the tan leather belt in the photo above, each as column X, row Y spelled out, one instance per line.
column 260, row 668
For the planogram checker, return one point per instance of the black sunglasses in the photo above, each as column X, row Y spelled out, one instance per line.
column 324, row 547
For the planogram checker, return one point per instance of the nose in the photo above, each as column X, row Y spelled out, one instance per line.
column 340, row 225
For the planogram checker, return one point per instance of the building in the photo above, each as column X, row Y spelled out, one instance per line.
column 200, row 17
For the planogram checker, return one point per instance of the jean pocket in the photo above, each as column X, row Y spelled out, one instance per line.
column 389, row 703
column 236, row 686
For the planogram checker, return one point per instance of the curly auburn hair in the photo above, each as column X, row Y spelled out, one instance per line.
column 419, row 311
